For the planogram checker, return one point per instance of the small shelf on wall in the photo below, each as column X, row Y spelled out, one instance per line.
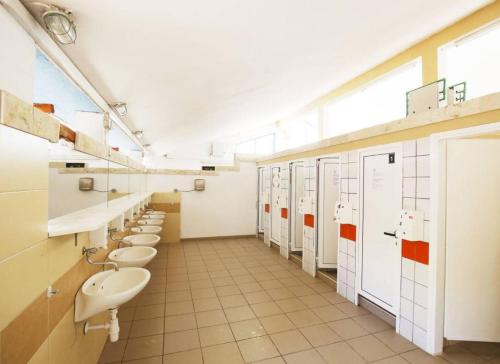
column 96, row 217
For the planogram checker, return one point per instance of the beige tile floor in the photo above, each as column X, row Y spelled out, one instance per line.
column 237, row 301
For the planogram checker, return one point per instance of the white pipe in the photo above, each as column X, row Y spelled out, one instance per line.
column 113, row 326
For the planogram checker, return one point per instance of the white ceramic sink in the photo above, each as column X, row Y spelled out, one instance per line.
column 148, row 217
column 150, row 222
column 142, row 240
column 134, row 256
column 152, row 212
column 146, row 229
column 108, row 290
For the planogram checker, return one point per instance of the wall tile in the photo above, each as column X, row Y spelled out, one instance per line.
column 420, row 316
column 409, row 148
column 24, row 222
column 421, row 273
column 419, row 337
column 342, row 260
column 351, row 263
column 409, row 167
column 27, row 274
column 409, row 203
column 409, row 187
column 342, row 245
column 420, row 296
column 423, row 166
column 423, row 187
column 344, row 171
column 351, row 248
column 23, row 161
column 353, row 185
column 406, row 329
column 423, row 146
column 424, row 206
column 407, row 289
column 353, row 170
column 407, row 268
column 351, row 279
column 407, row 309
column 353, row 156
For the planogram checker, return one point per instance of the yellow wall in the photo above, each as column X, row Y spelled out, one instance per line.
column 428, row 50
column 170, row 202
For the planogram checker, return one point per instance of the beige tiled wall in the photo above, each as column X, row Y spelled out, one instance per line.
column 32, row 325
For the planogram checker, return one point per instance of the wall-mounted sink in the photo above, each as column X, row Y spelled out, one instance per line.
column 146, row 229
column 108, row 290
column 150, row 222
column 152, row 212
column 148, row 217
column 142, row 240
column 135, row 256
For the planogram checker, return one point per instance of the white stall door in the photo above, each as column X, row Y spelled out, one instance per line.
column 260, row 217
column 275, row 205
column 297, row 219
column 328, row 194
column 472, row 293
column 381, row 202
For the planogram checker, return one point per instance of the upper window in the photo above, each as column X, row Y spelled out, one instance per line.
column 378, row 102
column 473, row 59
column 52, row 86
column 260, row 145
column 301, row 130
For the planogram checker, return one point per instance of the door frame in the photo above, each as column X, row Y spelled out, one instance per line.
column 318, row 235
column 293, row 205
column 386, row 148
column 437, row 233
column 271, row 167
column 260, row 186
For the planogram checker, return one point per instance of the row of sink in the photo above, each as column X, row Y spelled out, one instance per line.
column 109, row 289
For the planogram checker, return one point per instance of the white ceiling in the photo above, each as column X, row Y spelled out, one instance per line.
column 193, row 71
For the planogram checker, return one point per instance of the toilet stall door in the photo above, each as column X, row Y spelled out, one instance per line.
column 275, row 205
column 381, row 203
column 297, row 219
column 328, row 194
column 260, row 202
column 472, row 291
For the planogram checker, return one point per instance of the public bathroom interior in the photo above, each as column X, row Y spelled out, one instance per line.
column 234, row 181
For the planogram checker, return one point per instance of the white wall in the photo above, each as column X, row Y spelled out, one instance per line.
column 17, row 59
column 226, row 207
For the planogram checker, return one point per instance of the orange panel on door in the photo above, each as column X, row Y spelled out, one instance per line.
column 348, row 231
column 267, row 207
column 309, row 220
column 284, row 213
column 417, row 251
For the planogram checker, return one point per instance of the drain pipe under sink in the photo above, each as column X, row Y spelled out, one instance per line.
column 113, row 326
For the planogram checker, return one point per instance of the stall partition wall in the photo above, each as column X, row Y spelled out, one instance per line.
column 266, row 176
column 284, row 210
column 296, row 193
column 472, row 269
column 415, row 255
column 346, row 260
column 260, row 202
column 275, row 204
column 328, row 195
column 379, row 253
column 309, row 231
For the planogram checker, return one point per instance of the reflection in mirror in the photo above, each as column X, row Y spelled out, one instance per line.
column 137, row 181
column 76, row 180
column 118, row 181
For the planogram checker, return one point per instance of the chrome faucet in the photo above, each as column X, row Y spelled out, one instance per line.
column 90, row 251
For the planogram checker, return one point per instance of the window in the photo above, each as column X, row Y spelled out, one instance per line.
column 473, row 59
column 52, row 86
column 381, row 101
column 302, row 130
column 259, row 145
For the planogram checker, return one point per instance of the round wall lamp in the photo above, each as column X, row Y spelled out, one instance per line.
column 120, row 108
column 139, row 134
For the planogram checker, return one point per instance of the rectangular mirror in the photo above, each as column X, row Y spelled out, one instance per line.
column 76, row 180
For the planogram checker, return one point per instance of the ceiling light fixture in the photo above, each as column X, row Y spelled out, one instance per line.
column 59, row 24
column 120, row 108
column 139, row 134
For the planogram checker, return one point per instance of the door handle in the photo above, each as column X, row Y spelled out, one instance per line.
column 390, row 234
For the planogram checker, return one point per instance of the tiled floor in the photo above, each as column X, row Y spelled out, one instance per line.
column 237, row 301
